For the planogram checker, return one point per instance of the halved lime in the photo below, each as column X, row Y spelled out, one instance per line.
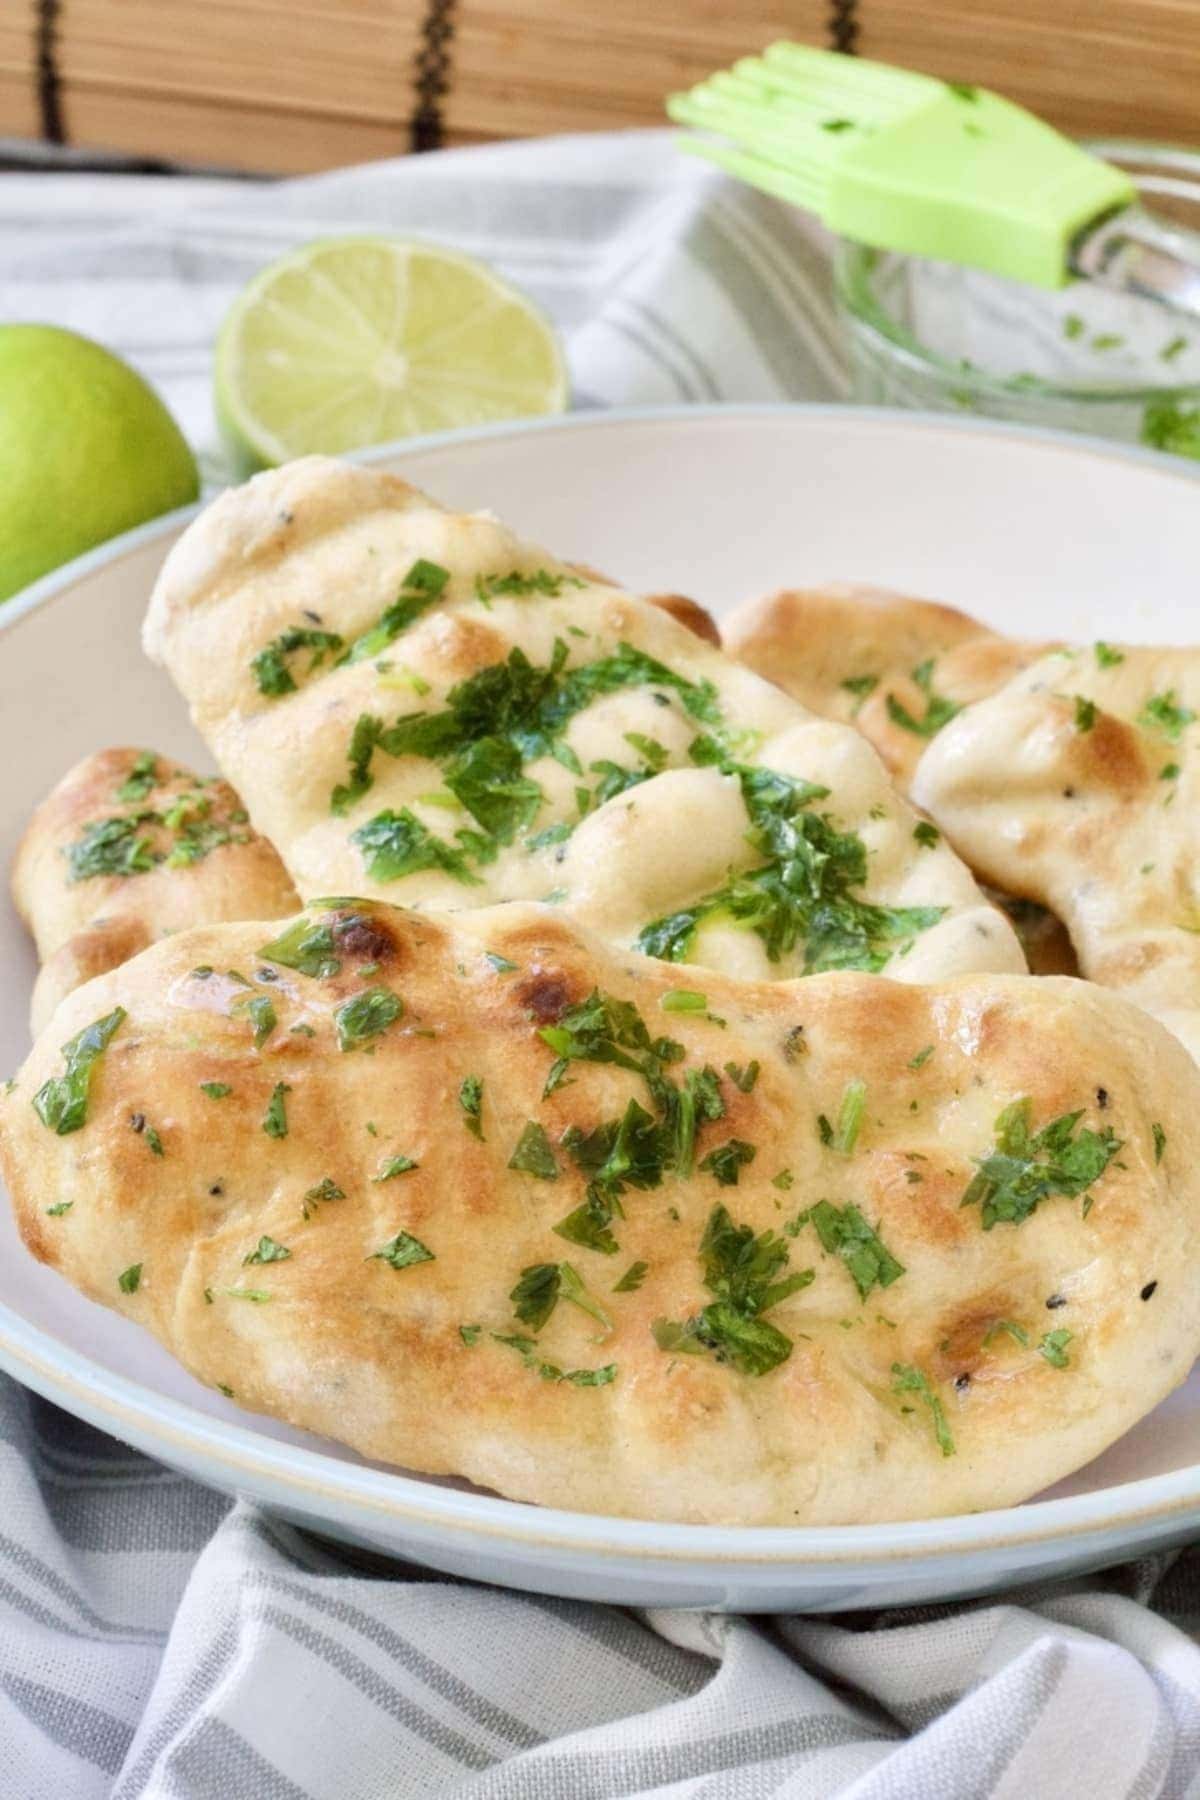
column 352, row 341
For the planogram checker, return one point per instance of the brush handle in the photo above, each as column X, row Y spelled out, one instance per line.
column 1135, row 253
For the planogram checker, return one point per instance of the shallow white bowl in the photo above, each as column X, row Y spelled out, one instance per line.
column 1039, row 535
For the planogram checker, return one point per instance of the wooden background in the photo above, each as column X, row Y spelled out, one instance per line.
column 277, row 85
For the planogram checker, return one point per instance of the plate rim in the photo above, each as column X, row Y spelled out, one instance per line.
column 230, row 1450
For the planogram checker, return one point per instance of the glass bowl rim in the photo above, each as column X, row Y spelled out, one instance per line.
column 871, row 320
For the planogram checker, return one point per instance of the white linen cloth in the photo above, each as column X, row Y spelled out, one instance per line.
column 157, row 1643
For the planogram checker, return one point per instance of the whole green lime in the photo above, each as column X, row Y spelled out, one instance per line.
column 87, row 449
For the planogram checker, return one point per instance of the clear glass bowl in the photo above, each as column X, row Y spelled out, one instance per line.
column 938, row 337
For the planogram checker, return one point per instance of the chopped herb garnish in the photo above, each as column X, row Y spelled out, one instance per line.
column 470, row 1098
column 632, row 1279
column 470, row 1335
column 938, row 710
column 275, row 1118
column 306, row 947
column 1029, row 1167
column 1017, row 1332
column 256, row 1296
column 683, row 1000
column 906, row 1379
column 403, row 1252
column 140, row 779
column 1169, row 772
column 115, row 846
column 926, row 835
column 1054, row 1348
column 395, row 844
column 536, row 581
column 727, row 1160
column 325, row 1189
column 844, row 1232
column 60, row 1209
column 366, row 1016
column 1085, row 713
column 801, row 893
column 1107, row 657
column 270, row 666
column 216, row 1090
column 396, row 1165
column 153, row 1142
column 533, row 1155
column 745, row 1273
column 742, row 1079
column 588, row 1224
column 1160, row 1141
column 261, row 1013
column 526, row 1348
column 850, row 1118
column 1163, row 713
column 424, row 583
column 784, row 1180
column 130, row 1279
column 1073, row 326
column 268, row 1250
column 61, row 1103
column 922, row 1057
column 860, row 686
column 501, row 964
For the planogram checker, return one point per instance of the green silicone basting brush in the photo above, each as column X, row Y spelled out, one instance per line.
column 933, row 168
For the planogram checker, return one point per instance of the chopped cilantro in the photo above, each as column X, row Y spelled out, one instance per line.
column 683, row 1000
column 261, row 1014
column 938, row 710
column 536, row 581
column 526, row 1348
column 742, row 1079
column 1160, row 1141
column 366, row 1016
column 1073, row 326
column 275, row 1118
column 926, row 835
column 906, row 1379
column 1054, row 1348
column 1017, row 1332
column 395, row 844
column 60, row 1209
column 130, row 1279
column 256, row 1296
column 306, row 947
column 470, row 1098
column 216, row 1090
column 632, row 1279
column 1169, row 772
column 424, row 583
column 1029, row 1167
column 1085, row 713
column 745, row 1274
column 402, row 1252
column 922, row 1057
column 588, row 1224
column 267, row 1250
column 784, row 1180
column 1163, row 713
column 1106, row 656
column 470, row 1335
column 845, row 1233
column 61, row 1103
column 325, row 1189
column 113, row 847
column 860, row 685
column 140, row 779
column 501, row 964
column 396, row 1165
column 533, row 1155
column 153, row 1142
column 270, row 666
column 727, row 1160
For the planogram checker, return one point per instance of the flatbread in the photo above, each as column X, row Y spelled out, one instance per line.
column 354, row 1220
column 129, row 846
column 1077, row 785
column 893, row 665
column 419, row 707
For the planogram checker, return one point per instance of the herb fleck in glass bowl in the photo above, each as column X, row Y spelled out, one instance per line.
column 936, row 337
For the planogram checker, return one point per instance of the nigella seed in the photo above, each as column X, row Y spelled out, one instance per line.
column 266, row 974
column 962, row 1383
column 1102, row 1098
column 1148, row 1290
column 217, row 1188
column 138, row 1121
column 1056, row 1300
column 1068, row 793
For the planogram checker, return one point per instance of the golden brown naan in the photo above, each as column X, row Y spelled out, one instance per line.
column 128, row 847
column 1078, row 786
column 893, row 665
column 418, row 706
column 362, row 1239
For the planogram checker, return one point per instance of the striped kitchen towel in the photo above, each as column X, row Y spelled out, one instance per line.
column 157, row 1643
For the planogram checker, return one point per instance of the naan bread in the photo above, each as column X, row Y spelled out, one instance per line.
column 128, row 847
column 893, row 665
column 374, row 1223
column 1078, row 785
column 419, row 707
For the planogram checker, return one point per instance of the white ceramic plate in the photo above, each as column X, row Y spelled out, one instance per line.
column 1040, row 535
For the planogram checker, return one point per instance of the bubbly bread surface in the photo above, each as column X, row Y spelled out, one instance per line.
column 479, row 1195
column 419, row 707
column 1077, row 785
column 129, row 846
